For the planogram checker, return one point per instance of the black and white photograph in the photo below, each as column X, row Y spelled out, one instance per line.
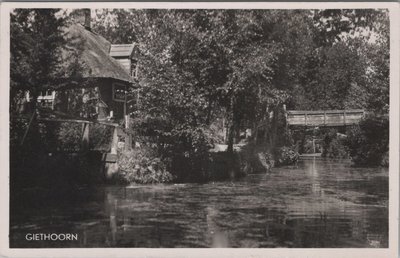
column 249, row 128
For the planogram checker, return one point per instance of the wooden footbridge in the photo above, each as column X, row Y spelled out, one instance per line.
column 109, row 156
column 324, row 118
column 108, row 149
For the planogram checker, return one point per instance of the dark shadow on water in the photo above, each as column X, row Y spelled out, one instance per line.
column 316, row 204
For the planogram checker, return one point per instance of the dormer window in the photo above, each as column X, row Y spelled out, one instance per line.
column 124, row 54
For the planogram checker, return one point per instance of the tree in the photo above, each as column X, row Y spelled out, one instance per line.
column 338, row 73
column 243, row 65
column 36, row 45
column 230, row 61
column 36, row 42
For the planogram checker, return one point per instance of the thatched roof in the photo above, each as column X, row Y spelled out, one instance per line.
column 93, row 52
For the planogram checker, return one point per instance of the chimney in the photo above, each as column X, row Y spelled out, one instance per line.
column 86, row 13
column 82, row 16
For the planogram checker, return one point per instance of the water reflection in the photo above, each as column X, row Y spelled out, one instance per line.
column 218, row 237
column 317, row 204
column 312, row 173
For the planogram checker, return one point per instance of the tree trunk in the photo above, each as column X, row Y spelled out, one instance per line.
column 233, row 131
column 255, row 132
column 32, row 122
column 209, row 110
column 231, row 134
column 273, row 134
column 230, row 129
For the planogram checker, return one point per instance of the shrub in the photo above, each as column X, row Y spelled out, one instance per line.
column 369, row 142
column 183, row 147
column 143, row 166
column 286, row 156
column 334, row 146
column 189, row 154
column 336, row 149
column 255, row 158
column 308, row 146
column 266, row 159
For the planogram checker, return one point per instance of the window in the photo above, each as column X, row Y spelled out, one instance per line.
column 118, row 92
column 134, row 68
column 46, row 99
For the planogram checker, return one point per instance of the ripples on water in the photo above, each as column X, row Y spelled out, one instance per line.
column 317, row 204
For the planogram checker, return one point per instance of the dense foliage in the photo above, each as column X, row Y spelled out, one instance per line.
column 200, row 67
column 37, row 41
column 369, row 142
column 142, row 166
column 287, row 156
column 334, row 145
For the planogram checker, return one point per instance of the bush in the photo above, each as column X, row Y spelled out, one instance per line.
column 255, row 158
column 142, row 166
column 336, row 149
column 183, row 147
column 369, row 142
column 286, row 156
column 189, row 154
column 308, row 146
column 266, row 159
column 334, row 146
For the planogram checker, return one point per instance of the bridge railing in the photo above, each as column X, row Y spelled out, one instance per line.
column 324, row 117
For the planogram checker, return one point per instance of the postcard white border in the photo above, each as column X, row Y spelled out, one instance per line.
column 392, row 251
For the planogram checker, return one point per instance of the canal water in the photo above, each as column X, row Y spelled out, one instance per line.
column 316, row 204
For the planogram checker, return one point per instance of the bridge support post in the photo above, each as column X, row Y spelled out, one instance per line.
column 305, row 118
column 128, row 142
column 111, row 164
column 344, row 117
column 85, row 136
column 313, row 144
column 114, row 143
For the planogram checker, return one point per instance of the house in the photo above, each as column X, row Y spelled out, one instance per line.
column 105, row 74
